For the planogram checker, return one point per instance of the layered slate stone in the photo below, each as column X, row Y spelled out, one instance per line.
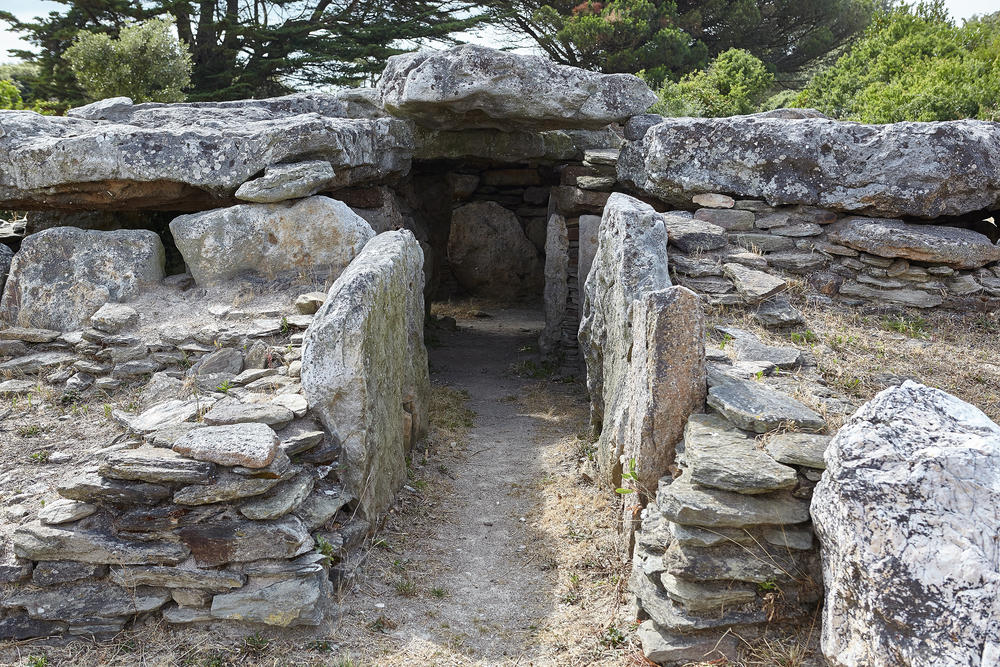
column 177, row 577
column 64, row 510
column 721, row 457
column 40, row 542
column 162, row 415
column 925, row 170
column 476, row 87
column 364, row 367
column 556, row 290
column 62, row 276
column 231, row 411
column 318, row 235
column 225, row 488
column 240, row 541
column 155, row 464
column 691, row 235
column 281, row 182
column 282, row 500
column 754, row 407
column 90, row 600
column 953, row 246
column 141, row 156
column 687, row 503
column 800, row 449
column 91, row 487
column 750, row 348
column 291, row 594
column 753, row 285
column 249, row 445
column 907, row 517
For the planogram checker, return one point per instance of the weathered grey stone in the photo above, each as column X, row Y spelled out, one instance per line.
column 18, row 387
column 707, row 596
column 690, row 504
column 708, row 199
column 730, row 219
column 778, row 312
column 310, row 302
column 753, row 285
column 317, row 235
column 89, row 600
column 722, row 457
column 64, row 510
column 40, row 542
column 231, row 411
column 21, row 626
column 52, row 572
column 589, row 233
column 287, row 181
column 798, row 449
column 796, row 261
column 952, row 246
column 917, row 298
column 707, row 537
column 91, row 487
column 176, row 577
column 62, row 276
column 476, row 87
column 792, row 537
column 556, row 287
column 919, row 584
column 279, row 601
column 762, row 243
column 142, row 156
column 162, row 415
column 248, row 445
column 227, row 360
column 364, row 367
column 696, row 267
column 136, row 368
column 664, row 647
column 754, row 407
column 489, row 253
column 757, row 563
column 27, row 335
column 195, row 598
column 114, row 317
column 6, row 257
column 225, row 488
column 281, row 500
column 321, row 506
column 669, row 614
column 38, row 362
column 694, row 236
column 631, row 259
column 240, row 541
column 602, row 183
column 154, row 464
column 937, row 169
column 750, row 348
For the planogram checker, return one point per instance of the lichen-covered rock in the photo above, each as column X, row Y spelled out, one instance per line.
column 186, row 156
column 364, row 366
column 925, row 170
column 62, row 276
column 631, row 259
column 248, row 444
column 489, row 253
column 477, row 87
column 40, row 542
column 907, row 516
column 287, row 181
column 6, row 257
column 952, row 246
column 317, row 235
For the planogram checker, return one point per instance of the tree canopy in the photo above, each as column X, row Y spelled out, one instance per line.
column 914, row 63
column 736, row 82
column 668, row 38
column 252, row 48
column 146, row 62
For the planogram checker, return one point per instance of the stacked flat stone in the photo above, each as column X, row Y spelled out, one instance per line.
column 728, row 543
column 736, row 251
column 213, row 510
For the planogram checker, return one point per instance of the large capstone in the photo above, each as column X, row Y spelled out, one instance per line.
column 186, row 156
column 489, row 253
column 907, row 514
column 476, row 87
column 925, row 170
column 364, row 366
column 62, row 276
column 318, row 236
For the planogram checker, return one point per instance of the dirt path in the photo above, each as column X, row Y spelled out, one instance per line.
column 508, row 553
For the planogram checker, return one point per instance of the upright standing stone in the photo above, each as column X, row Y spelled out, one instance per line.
column 907, row 515
column 556, row 288
column 364, row 367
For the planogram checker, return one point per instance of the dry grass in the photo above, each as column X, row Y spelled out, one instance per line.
column 860, row 353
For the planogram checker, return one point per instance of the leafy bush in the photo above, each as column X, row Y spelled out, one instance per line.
column 913, row 63
column 147, row 63
column 736, row 82
column 10, row 96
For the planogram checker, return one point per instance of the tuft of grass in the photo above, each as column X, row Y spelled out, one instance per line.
column 914, row 326
column 256, row 643
column 439, row 593
column 764, row 652
column 406, row 587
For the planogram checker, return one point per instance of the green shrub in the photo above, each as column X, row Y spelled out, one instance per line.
column 736, row 82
